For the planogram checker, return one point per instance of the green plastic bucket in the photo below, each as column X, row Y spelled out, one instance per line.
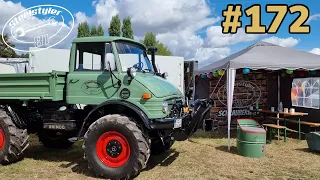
column 251, row 138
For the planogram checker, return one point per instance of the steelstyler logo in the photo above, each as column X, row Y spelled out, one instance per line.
column 41, row 26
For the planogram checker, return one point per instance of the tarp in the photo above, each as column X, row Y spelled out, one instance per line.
column 7, row 69
column 21, row 65
column 261, row 55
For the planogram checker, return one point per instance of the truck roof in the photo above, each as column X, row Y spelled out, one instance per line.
column 104, row 39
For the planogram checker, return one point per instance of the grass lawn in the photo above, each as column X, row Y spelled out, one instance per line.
column 204, row 156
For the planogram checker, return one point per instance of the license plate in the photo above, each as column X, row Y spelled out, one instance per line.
column 177, row 123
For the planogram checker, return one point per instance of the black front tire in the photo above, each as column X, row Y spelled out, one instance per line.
column 130, row 132
column 14, row 140
column 158, row 147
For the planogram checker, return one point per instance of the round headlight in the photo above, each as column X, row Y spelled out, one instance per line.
column 165, row 75
column 164, row 106
column 131, row 72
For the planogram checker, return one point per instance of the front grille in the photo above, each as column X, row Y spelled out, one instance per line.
column 175, row 107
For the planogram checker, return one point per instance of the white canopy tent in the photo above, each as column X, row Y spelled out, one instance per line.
column 261, row 55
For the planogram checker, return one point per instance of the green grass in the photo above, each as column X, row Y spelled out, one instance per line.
column 204, row 156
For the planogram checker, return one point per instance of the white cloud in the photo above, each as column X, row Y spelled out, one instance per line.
column 104, row 12
column 156, row 16
column 184, row 43
column 209, row 55
column 315, row 51
column 313, row 17
column 285, row 42
column 215, row 37
column 176, row 24
column 82, row 17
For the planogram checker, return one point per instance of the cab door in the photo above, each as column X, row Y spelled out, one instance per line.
column 91, row 81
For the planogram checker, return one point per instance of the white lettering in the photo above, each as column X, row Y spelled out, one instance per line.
column 237, row 112
column 54, row 11
column 58, row 12
column 40, row 41
column 39, row 10
column 34, row 12
column 12, row 24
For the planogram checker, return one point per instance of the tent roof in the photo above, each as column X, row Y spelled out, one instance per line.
column 263, row 55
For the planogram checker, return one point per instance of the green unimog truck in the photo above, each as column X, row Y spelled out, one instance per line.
column 130, row 110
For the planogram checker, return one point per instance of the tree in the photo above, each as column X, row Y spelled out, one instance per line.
column 94, row 31
column 127, row 28
column 24, row 55
column 5, row 50
column 115, row 26
column 100, row 31
column 162, row 49
column 83, row 29
column 149, row 39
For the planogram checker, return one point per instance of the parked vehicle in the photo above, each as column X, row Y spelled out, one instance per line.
column 131, row 110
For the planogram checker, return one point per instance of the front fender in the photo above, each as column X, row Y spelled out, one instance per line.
column 131, row 106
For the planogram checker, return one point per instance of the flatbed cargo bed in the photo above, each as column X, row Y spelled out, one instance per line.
column 33, row 86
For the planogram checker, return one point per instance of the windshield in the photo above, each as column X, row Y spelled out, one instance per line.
column 132, row 55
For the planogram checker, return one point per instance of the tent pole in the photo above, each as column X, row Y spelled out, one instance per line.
column 231, row 76
column 278, row 116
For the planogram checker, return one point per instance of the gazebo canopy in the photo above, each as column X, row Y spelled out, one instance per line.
column 263, row 55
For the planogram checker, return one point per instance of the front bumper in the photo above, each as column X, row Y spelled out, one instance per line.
column 169, row 123
column 166, row 123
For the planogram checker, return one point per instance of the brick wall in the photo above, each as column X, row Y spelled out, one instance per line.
column 247, row 91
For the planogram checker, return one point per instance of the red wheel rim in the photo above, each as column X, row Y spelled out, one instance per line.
column 113, row 149
column 2, row 139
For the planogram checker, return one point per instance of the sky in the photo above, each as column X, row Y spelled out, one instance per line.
column 189, row 28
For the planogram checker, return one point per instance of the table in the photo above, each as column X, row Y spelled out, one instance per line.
column 297, row 114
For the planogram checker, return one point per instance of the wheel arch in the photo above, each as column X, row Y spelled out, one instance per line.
column 115, row 107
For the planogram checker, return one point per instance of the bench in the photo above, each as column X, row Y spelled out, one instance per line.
column 274, row 126
column 312, row 124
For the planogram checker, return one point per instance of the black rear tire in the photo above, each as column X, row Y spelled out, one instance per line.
column 14, row 140
column 123, row 138
column 158, row 148
column 54, row 139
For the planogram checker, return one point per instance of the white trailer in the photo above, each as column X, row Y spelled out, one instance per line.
column 47, row 60
column 174, row 66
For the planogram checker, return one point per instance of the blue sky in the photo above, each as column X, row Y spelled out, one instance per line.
column 193, row 41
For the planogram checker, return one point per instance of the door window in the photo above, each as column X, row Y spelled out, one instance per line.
column 91, row 56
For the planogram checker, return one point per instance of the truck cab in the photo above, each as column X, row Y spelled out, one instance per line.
column 112, row 68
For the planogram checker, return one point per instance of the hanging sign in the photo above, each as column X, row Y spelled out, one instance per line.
column 245, row 94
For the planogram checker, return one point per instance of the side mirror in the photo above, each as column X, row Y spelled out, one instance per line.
column 110, row 62
column 152, row 49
